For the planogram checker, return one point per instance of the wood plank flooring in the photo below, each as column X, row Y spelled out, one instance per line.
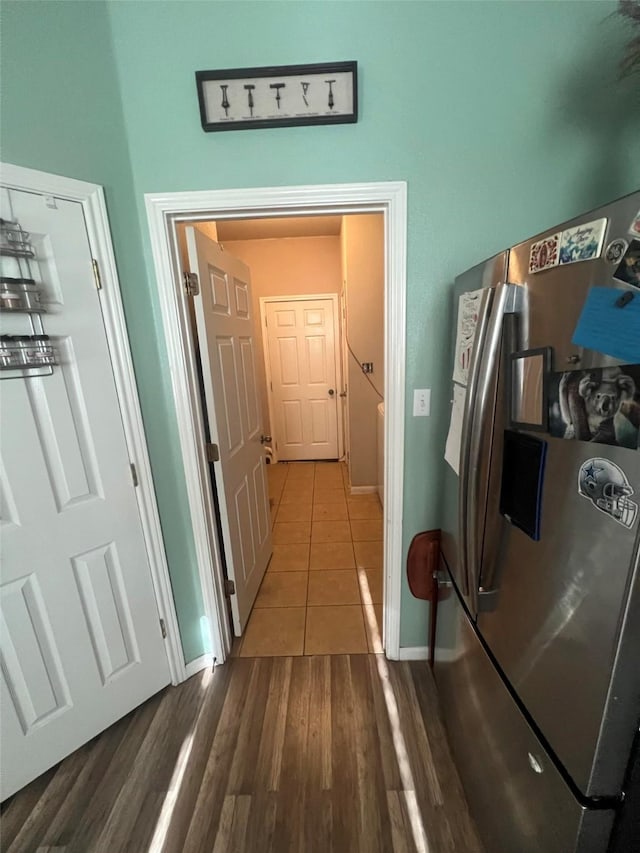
column 341, row 753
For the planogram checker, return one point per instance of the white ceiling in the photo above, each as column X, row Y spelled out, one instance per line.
column 282, row 226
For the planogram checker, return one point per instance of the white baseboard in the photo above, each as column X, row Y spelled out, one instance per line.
column 363, row 490
column 197, row 665
column 422, row 653
column 414, row 653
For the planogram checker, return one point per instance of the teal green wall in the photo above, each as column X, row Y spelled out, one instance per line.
column 61, row 113
column 502, row 117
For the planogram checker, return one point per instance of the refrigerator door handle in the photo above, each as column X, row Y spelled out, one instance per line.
column 503, row 301
column 487, row 581
column 486, row 299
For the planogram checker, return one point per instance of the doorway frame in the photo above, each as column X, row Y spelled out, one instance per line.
column 164, row 210
column 337, row 352
column 92, row 200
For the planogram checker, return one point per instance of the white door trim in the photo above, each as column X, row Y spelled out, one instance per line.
column 304, row 297
column 163, row 210
column 91, row 197
column 344, row 364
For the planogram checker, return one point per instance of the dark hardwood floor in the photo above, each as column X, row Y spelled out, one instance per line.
column 344, row 753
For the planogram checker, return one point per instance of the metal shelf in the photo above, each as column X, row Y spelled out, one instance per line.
column 14, row 240
column 9, row 252
column 22, row 355
column 20, row 295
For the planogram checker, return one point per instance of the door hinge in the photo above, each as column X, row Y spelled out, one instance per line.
column 163, row 629
column 96, row 274
column 266, row 322
column 229, row 587
column 271, row 384
column 134, row 474
column 191, row 283
column 213, row 454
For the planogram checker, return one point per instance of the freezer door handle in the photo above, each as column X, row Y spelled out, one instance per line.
column 484, row 372
column 486, row 299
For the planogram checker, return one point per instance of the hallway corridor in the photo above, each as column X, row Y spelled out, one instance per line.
column 323, row 590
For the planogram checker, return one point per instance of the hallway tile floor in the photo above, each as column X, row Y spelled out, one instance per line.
column 322, row 592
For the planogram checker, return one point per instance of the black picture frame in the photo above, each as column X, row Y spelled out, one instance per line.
column 546, row 354
column 253, row 100
column 523, row 467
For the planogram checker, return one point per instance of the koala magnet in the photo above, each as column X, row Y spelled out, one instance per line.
column 608, row 488
column 600, row 405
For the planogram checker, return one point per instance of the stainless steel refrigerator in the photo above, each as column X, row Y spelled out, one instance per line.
column 538, row 642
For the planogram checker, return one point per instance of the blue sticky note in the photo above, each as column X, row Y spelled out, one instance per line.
column 605, row 327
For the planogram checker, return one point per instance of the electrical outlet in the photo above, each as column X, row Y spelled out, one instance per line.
column 421, row 402
column 367, row 367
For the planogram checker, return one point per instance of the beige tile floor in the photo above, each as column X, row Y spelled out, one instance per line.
column 322, row 592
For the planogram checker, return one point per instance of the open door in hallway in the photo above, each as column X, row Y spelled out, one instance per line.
column 227, row 353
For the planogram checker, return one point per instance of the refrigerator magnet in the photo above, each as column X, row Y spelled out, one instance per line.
column 634, row 228
column 615, row 250
column 544, row 253
column 629, row 268
column 469, row 305
column 528, row 389
column 523, row 465
column 608, row 488
column 600, row 405
column 605, row 327
column 582, row 243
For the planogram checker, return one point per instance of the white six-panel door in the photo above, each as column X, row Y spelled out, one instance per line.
column 227, row 354
column 81, row 643
column 301, row 344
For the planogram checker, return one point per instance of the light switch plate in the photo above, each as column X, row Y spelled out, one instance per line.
column 421, row 402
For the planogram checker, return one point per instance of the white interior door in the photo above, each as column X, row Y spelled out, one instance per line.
column 227, row 353
column 81, row 643
column 302, row 361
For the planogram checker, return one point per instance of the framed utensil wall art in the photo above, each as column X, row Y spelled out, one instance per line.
column 278, row 96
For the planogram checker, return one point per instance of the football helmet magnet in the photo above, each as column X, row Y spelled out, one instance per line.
column 607, row 487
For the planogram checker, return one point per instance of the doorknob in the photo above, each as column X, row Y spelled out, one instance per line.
column 265, row 439
column 331, row 392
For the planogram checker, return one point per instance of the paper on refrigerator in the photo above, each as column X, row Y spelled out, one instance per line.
column 468, row 307
column 454, row 437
